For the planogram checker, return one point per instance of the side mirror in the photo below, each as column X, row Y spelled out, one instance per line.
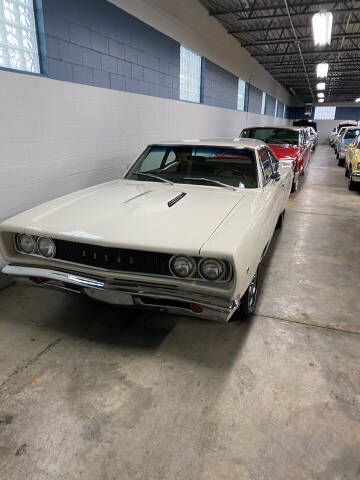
column 351, row 145
column 275, row 176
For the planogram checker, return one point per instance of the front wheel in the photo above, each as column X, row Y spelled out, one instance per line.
column 248, row 301
column 294, row 186
column 352, row 185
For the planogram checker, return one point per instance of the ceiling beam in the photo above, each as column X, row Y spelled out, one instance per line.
column 295, row 14
column 312, row 52
column 281, row 66
column 269, row 29
column 275, row 41
column 261, row 8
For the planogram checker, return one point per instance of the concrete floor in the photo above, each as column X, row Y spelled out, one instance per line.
column 93, row 392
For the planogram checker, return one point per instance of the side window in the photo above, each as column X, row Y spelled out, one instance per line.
column 265, row 164
column 274, row 161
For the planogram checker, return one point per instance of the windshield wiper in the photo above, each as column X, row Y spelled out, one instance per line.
column 224, row 185
column 154, row 176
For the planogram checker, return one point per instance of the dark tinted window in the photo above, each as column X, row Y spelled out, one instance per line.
column 265, row 163
column 272, row 135
column 198, row 165
column 352, row 133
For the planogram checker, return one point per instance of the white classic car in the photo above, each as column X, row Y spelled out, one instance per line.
column 184, row 231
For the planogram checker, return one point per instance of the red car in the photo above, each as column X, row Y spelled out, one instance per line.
column 291, row 145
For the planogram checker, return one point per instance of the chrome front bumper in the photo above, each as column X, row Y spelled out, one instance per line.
column 145, row 295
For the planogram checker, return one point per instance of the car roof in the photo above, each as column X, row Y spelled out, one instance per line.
column 282, row 127
column 232, row 142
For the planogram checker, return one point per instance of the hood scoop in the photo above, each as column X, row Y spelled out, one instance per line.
column 172, row 202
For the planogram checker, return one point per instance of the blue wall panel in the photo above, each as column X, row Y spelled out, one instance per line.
column 220, row 86
column 255, row 97
column 270, row 105
column 280, row 110
column 97, row 43
column 347, row 113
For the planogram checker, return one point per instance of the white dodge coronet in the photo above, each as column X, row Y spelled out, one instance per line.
column 184, row 231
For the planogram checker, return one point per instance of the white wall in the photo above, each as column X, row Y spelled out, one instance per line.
column 56, row 137
column 188, row 22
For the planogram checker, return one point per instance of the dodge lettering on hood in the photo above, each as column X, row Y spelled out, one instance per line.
column 184, row 231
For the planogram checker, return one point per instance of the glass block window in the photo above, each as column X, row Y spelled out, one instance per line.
column 325, row 113
column 18, row 40
column 241, row 95
column 263, row 103
column 190, row 75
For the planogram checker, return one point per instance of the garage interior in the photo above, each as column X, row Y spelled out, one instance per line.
column 100, row 392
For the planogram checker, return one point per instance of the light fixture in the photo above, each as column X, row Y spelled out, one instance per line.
column 357, row 100
column 321, row 100
column 322, row 25
column 320, row 86
column 322, row 70
column 320, row 94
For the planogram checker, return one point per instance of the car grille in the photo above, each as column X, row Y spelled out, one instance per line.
column 113, row 258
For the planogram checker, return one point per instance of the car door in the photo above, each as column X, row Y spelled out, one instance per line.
column 271, row 203
column 282, row 184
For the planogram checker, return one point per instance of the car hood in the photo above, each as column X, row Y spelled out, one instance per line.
column 285, row 152
column 132, row 214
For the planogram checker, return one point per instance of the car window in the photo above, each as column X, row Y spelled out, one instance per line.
column 198, row 165
column 352, row 133
column 272, row 135
column 265, row 164
column 274, row 161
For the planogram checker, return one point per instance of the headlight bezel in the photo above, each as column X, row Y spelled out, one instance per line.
column 187, row 257
column 18, row 245
column 38, row 248
column 197, row 274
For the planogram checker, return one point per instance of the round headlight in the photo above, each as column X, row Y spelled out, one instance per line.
column 46, row 247
column 212, row 269
column 182, row 266
column 26, row 243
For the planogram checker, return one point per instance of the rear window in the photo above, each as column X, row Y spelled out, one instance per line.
column 272, row 135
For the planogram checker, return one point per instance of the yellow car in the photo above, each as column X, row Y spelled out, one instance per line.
column 352, row 164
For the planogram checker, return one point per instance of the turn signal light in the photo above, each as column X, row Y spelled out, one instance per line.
column 195, row 307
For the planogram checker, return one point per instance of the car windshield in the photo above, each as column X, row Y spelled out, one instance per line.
column 351, row 134
column 273, row 135
column 216, row 166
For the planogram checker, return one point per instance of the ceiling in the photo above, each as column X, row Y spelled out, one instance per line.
column 278, row 34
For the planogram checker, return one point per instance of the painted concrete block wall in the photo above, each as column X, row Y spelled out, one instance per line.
column 280, row 109
column 255, row 99
column 96, row 43
column 270, row 105
column 220, row 86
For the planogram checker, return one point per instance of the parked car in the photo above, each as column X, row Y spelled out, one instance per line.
column 348, row 136
column 291, row 145
column 344, row 123
column 337, row 138
column 352, row 164
column 315, row 137
column 305, row 122
column 184, row 231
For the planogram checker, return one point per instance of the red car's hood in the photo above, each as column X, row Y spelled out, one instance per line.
column 286, row 152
